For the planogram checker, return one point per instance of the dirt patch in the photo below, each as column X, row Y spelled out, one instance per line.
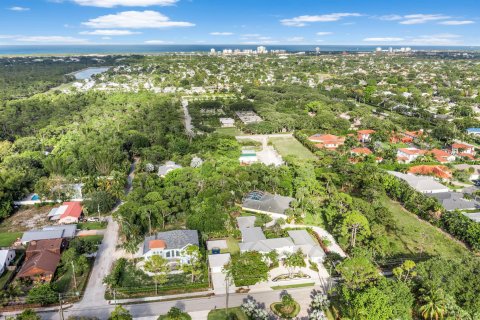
column 27, row 218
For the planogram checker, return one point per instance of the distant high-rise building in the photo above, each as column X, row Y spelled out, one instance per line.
column 212, row 51
column 378, row 49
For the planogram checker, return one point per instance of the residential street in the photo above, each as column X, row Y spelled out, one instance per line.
column 188, row 119
column 153, row 309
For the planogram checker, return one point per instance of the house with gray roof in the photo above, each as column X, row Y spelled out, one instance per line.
column 170, row 244
column 454, row 201
column 267, row 203
column 423, row 184
column 167, row 167
column 253, row 239
column 67, row 231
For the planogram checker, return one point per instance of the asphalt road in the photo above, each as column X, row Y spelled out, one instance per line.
column 154, row 309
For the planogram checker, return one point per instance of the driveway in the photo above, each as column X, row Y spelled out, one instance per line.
column 95, row 292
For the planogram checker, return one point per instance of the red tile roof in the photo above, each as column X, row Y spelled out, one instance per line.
column 412, row 151
column 461, row 146
column 438, row 171
column 367, row 131
column 74, row 210
column 157, row 244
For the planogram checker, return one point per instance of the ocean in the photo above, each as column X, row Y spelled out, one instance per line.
column 154, row 49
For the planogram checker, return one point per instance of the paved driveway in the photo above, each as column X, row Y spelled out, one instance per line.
column 95, row 292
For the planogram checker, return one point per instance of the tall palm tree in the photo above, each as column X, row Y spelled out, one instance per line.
column 434, row 305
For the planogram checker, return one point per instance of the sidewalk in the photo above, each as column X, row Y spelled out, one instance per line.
column 162, row 298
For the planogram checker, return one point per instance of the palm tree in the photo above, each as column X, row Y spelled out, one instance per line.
column 433, row 305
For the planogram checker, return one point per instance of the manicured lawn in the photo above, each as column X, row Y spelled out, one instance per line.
column 414, row 236
column 300, row 285
column 229, row 131
column 92, row 225
column 220, row 314
column 8, row 238
column 289, row 146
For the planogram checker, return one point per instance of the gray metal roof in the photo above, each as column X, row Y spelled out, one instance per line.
column 51, row 232
column 454, row 201
column 246, row 222
column 266, row 202
column 421, row 183
column 252, row 234
column 175, row 239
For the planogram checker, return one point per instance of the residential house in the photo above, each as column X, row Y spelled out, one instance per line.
column 441, row 155
column 422, row 184
column 40, row 267
column 72, row 213
column 167, row 167
column 50, row 232
column 407, row 155
column 454, row 201
column 327, row 141
column 264, row 202
column 473, row 131
column 411, row 136
column 53, row 245
column 364, row 135
column 6, row 258
column 253, row 239
column 170, row 244
column 460, row 149
column 441, row 172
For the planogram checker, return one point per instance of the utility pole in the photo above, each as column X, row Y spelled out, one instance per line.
column 61, row 307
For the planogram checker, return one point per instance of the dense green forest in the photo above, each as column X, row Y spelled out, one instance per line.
column 53, row 139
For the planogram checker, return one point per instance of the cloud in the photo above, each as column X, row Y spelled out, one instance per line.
column 18, row 9
column 383, row 39
column 106, row 38
column 444, row 39
column 221, row 33
column 324, row 33
column 391, row 17
column 422, row 18
column 125, row 3
column 51, row 39
column 109, row 32
column 302, row 21
column 456, row 22
column 135, row 20
column 251, row 35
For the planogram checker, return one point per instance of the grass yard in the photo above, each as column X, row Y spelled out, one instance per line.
column 8, row 238
column 98, row 225
column 232, row 245
column 94, row 238
column 291, row 286
column 414, row 236
column 289, row 146
column 221, row 314
column 229, row 131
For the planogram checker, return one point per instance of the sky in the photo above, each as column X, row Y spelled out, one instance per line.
column 262, row 22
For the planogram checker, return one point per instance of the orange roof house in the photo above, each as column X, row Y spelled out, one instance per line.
column 327, row 141
column 72, row 214
column 463, row 150
column 441, row 155
column 364, row 135
column 157, row 244
column 432, row 170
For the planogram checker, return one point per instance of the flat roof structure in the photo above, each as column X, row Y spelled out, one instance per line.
column 264, row 202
